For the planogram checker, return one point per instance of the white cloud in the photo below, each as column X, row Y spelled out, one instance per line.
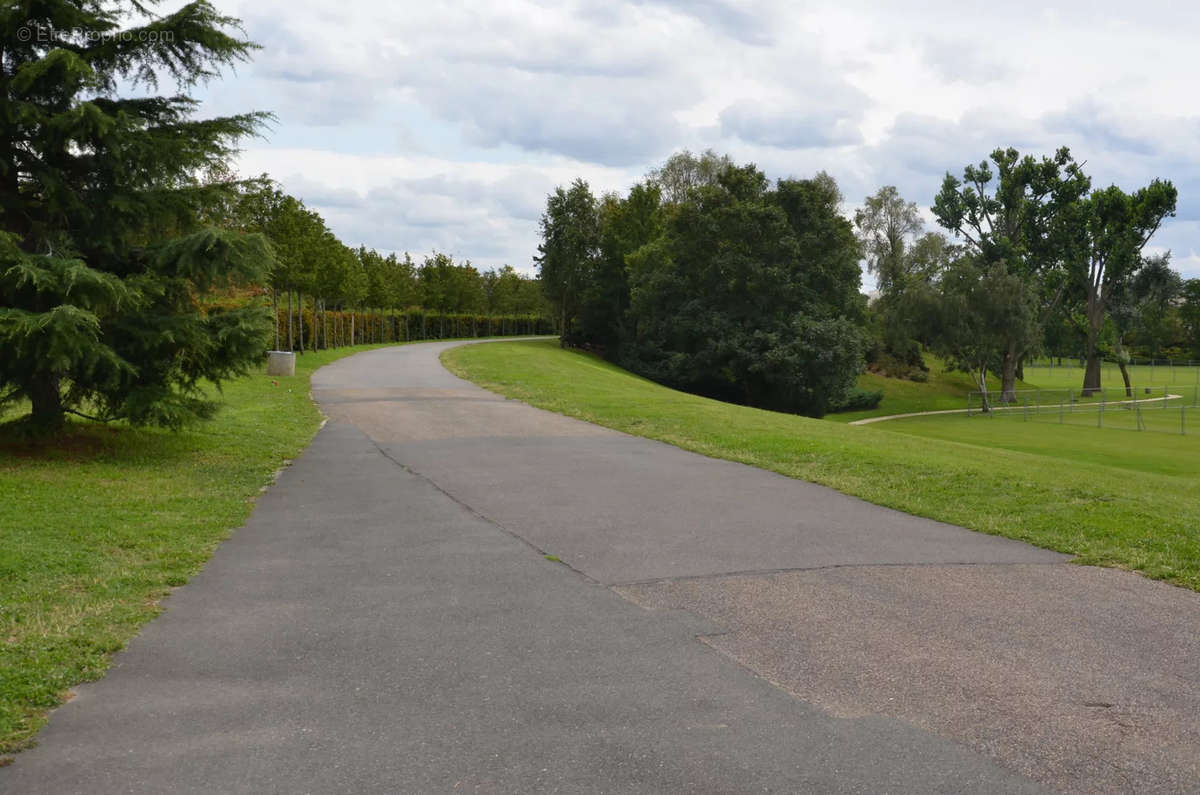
column 421, row 125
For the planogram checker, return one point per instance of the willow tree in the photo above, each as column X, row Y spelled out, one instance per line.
column 105, row 186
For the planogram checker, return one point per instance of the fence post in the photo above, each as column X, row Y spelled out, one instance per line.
column 1060, row 411
column 1100, row 413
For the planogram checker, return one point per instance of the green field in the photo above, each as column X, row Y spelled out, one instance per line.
column 1117, row 445
column 96, row 527
column 1109, row 496
column 1071, row 375
column 947, row 389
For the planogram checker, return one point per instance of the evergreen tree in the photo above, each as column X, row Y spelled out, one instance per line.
column 104, row 200
column 750, row 294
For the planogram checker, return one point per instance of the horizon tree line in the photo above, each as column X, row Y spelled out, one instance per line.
column 708, row 277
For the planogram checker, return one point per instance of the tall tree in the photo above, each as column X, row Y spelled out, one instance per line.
column 903, row 261
column 447, row 286
column 570, row 230
column 625, row 226
column 1017, row 218
column 1189, row 314
column 103, row 204
column 684, row 172
column 981, row 306
column 886, row 225
column 1111, row 229
column 750, row 294
column 1157, row 289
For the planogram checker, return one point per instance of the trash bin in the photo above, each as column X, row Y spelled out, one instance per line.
column 281, row 363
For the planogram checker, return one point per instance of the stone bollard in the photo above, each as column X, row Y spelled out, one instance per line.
column 281, row 363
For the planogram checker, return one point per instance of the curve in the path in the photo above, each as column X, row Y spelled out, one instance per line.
column 622, row 508
column 387, row 621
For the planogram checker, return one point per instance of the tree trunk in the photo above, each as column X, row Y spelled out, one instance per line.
column 351, row 328
column 300, row 317
column 1008, row 376
column 1095, row 317
column 1091, row 374
column 47, row 414
column 1125, row 378
column 1120, row 351
column 981, row 379
column 562, row 327
column 275, row 314
column 291, row 347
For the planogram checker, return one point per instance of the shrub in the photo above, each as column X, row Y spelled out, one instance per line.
column 858, row 399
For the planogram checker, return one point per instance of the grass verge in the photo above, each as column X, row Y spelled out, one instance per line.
column 944, row 389
column 1080, row 495
column 948, row 389
column 97, row 526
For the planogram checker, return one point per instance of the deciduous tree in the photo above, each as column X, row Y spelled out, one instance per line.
column 1017, row 220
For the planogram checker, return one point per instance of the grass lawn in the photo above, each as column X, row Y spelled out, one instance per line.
column 1161, row 450
column 1070, row 376
column 948, row 389
column 1110, row 497
column 96, row 528
column 945, row 389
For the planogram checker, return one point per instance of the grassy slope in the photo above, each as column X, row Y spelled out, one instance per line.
column 947, row 389
column 1096, row 504
column 94, row 530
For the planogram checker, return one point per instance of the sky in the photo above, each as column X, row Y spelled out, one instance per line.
column 440, row 125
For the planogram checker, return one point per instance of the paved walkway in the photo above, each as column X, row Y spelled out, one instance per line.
column 387, row 621
column 871, row 420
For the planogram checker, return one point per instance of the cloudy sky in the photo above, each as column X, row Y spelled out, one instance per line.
column 415, row 126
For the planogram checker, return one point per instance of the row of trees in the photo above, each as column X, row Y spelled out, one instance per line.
column 710, row 278
column 1038, row 258
column 315, row 274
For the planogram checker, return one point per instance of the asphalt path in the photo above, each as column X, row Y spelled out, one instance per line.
column 454, row 592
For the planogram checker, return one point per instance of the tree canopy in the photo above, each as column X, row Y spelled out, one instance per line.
column 725, row 285
column 105, row 190
column 1017, row 220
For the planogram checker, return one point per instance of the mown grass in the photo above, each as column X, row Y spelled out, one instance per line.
column 1159, row 450
column 97, row 525
column 948, row 389
column 945, row 389
column 1080, row 492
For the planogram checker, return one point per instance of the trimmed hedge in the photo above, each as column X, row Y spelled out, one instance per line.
column 337, row 328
